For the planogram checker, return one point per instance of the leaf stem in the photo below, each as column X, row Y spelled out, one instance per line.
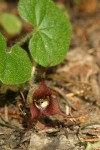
column 24, row 39
column 21, row 42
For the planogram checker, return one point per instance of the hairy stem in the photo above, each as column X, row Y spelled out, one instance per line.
column 24, row 39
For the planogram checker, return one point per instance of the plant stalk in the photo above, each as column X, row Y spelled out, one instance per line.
column 24, row 39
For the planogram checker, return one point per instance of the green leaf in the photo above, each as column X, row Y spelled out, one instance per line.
column 15, row 66
column 10, row 23
column 93, row 146
column 51, row 39
column 89, row 146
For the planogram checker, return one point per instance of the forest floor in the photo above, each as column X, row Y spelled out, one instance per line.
column 75, row 81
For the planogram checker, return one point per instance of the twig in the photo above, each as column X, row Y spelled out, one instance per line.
column 6, row 124
column 65, row 98
column 24, row 39
column 23, row 99
column 84, row 126
column 92, row 140
column 6, row 113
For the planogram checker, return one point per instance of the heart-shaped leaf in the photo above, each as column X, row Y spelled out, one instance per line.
column 15, row 66
column 51, row 39
column 10, row 23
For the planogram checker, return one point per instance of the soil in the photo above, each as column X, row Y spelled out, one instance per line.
column 76, row 84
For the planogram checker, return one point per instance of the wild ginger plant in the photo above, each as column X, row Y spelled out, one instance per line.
column 48, row 45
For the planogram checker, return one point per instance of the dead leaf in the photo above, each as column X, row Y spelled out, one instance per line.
column 87, row 6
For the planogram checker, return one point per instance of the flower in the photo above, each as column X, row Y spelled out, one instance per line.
column 44, row 104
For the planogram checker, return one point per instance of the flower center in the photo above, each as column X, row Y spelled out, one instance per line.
column 41, row 103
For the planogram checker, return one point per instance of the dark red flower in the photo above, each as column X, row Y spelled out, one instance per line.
column 43, row 103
